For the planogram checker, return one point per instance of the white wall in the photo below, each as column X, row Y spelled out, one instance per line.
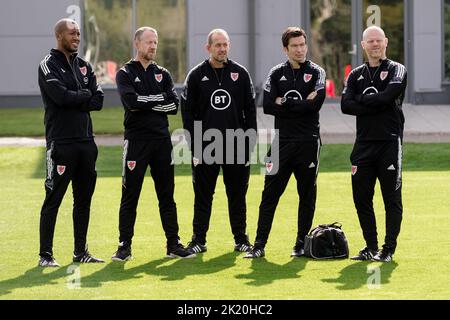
column 272, row 17
column 26, row 36
column 427, row 30
column 205, row 15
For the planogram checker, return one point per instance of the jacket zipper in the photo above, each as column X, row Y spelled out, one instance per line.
column 370, row 75
column 294, row 76
column 217, row 76
column 72, row 67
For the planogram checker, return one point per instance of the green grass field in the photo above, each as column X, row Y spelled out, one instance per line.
column 420, row 271
column 26, row 122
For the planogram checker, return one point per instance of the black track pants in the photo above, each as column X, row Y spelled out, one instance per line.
column 137, row 156
column 302, row 159
column 235, row 177
column 68, row 162
column 382, row 160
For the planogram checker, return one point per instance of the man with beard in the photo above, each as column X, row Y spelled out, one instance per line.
column 374, row 93
column 218, row 97
column 69, row 91
column 148, row 96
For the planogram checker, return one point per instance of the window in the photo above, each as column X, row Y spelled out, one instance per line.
column 169, row 19
column 330, row 45
column 108, row 34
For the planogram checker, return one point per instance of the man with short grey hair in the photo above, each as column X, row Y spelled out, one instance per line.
column 148, row 96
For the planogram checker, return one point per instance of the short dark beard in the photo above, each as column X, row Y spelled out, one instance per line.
column 69, row 49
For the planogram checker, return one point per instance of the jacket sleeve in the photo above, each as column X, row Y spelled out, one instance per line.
column 351, row 101
column 170, row 105
column 394, row 89
column 96, row 101
column 271, row 92
column 190, row 99
column 250, row 104
column 54, row 87
column 131, row 100
column 306, row 106
column 250, row 114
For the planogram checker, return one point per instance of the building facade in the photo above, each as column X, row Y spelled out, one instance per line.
column 418, row 33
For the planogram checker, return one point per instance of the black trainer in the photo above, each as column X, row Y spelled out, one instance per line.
column 48, row 261
column 244, row 246
column 384, row 255
column 86, row 257
column 123, row 253
column 255, row 252
column 179, row 251
column 364, row 255
column 299, row 249
column 196, row 247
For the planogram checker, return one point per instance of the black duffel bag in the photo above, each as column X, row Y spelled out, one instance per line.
column 327, row 241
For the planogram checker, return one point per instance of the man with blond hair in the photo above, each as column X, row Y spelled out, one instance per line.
column 148, row 96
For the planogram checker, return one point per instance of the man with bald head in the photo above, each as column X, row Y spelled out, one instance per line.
column 69, row 92
column 374, row 93
column 218, row 97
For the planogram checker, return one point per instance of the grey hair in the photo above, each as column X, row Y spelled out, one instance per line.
column 141, row 30
column 214, row 31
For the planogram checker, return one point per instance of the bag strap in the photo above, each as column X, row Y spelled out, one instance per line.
column 336, row 225
column 331, row 225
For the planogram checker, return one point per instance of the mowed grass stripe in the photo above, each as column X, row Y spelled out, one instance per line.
column 420, row 270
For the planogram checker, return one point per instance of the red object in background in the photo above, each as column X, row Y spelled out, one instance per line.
column 111, row 68
column 329, row 88
column 347, row 70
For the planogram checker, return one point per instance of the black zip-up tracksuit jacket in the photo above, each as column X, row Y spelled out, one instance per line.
column 297, row 119
column 69, row 91
column 376, row 100
column 204, row 84
column 375, row 96
column 148, row 96
column 221, row 99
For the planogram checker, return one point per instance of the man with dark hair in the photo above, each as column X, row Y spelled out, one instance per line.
column 148, row 96
column 219, row 97
column 69, row 91
column 374, row 93
column 294, row 93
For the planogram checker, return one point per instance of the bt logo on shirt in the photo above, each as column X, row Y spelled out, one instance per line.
column 220, row 99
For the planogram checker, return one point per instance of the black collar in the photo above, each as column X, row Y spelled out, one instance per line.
column 382, row 63
column 302, row 65
column 138, row 64
column 226, row 64
column 60, row 55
